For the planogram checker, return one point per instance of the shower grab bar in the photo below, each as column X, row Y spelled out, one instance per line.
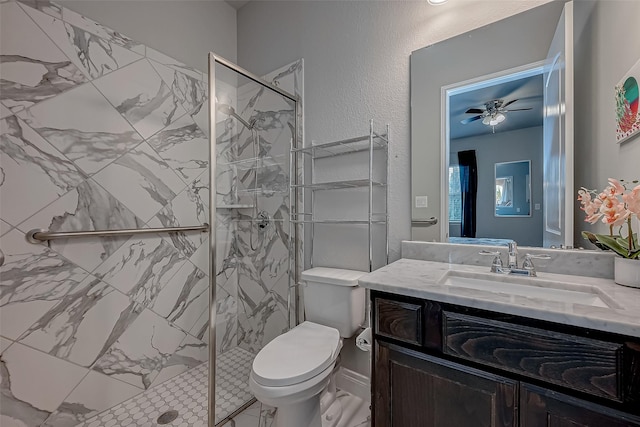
column 425, row 222
column 39, row 235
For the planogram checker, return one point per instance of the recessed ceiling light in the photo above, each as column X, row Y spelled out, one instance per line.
column 436, row 2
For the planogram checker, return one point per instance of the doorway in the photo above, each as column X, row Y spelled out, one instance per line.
column 499, row 119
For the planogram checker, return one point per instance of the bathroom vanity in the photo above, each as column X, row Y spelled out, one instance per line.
column 457, row 346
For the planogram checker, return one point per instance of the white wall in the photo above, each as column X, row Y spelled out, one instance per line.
column 521, row 144
column 183, row 29
column 607, row 46
column 357, row 65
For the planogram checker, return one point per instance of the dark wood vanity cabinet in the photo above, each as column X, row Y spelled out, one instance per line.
column 439, row 365
column 417, row 390
column 540, row 407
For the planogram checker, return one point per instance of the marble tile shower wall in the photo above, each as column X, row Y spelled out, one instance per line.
column 97, row 132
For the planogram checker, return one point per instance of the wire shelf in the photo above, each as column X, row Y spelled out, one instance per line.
column 234, row 206
column 277, row 160
column 337, row 185
column 337, row 221
column 368, row 221
column 376, row 216
column 345, row 146
column 262, row 192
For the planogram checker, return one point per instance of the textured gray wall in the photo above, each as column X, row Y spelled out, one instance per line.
column 607, row 45
column 183, row 29
column 357, row 66
column 356, row 57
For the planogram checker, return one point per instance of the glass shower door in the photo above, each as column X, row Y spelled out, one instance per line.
column 255, row 126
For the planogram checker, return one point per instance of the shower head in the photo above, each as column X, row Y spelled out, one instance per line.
column 226, row 109
column 231, row 112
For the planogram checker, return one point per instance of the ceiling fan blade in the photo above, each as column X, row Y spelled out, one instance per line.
column 474, row 111
column 509, row 103
column 519, row 109
column 471, row 119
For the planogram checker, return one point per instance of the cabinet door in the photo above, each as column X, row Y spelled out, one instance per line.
column 544, row 408
column 415, row 390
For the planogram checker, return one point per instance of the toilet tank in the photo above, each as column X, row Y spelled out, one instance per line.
column 333, row 298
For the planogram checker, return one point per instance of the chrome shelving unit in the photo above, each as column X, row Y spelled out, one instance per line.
column 370, row 143
column 337, row 185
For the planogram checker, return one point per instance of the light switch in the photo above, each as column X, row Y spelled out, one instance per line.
column 421, row 202
column 537, row 206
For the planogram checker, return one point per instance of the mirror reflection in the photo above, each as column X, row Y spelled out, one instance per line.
column 513, row 189
column 491, row 105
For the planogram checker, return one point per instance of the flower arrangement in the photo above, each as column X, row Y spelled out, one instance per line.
column 615, row 206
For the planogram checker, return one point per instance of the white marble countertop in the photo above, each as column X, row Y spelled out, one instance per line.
column 619, row 313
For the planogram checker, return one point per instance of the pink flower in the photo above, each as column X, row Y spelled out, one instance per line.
column 613, row 211
column 615, row 185
column 590, row 207
column 584, row 196
column 632, row 200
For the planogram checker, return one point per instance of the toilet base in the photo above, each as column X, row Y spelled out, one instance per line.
column 321, row 410
column 308, row 414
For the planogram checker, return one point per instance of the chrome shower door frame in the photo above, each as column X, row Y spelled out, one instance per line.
column 293, row 248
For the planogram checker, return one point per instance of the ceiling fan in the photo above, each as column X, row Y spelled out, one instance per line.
column 493, row 112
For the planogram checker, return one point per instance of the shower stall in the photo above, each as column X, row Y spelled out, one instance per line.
column 146, row 253
column 254, row 249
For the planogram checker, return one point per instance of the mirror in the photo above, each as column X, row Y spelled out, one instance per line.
column 502, row 65
column 513, row 189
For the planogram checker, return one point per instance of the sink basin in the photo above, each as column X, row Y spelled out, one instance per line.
column 528, row 287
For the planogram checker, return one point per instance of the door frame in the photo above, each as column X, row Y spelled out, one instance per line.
column 446, row 92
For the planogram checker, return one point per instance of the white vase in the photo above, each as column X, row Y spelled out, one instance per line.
column 627, row 272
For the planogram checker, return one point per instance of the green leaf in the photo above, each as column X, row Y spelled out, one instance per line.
column 594, row 239
column 612, row 243
column 622, row 241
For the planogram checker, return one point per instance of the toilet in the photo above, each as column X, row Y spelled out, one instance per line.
column 295, row 372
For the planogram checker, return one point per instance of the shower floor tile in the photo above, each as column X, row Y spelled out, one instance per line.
column 186, row 394
column 232, row 381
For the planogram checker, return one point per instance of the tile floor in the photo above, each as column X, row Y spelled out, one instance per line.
column 187, row 394
column 356, row 413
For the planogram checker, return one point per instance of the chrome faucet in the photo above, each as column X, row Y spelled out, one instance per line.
column 513, row 255
column 496, row 264
column 527, row 269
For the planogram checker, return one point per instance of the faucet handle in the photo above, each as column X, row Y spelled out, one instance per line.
column 496, row 265
column 540, row 256
column 528, row 262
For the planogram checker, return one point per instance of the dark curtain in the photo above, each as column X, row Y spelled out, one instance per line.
column 469, row 191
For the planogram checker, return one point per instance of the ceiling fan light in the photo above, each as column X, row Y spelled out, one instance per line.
column 436, row 2
column 494, row 119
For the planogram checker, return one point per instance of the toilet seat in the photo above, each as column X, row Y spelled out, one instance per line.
column 295, row 356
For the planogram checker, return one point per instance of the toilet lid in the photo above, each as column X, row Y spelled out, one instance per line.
column 297, row 355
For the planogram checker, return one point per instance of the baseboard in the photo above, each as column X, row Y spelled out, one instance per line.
column 355, row 383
